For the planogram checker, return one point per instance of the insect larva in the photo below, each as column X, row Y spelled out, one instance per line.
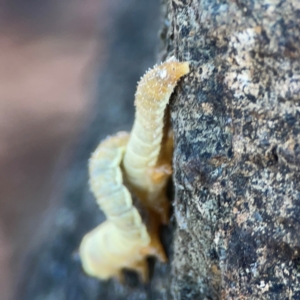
column 106, row 179
column 147, row 160
column 122, row 241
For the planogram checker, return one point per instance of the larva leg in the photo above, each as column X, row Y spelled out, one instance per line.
column 160, row 173
column 155, row 247
column 162, row 208
column 141, row 267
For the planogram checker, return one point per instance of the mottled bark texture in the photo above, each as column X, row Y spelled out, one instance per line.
column 236, row 121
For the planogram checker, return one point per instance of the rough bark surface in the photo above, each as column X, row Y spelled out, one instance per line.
column 236, row 123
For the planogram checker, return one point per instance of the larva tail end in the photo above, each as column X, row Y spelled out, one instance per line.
column 155, row 248
column 142, row 269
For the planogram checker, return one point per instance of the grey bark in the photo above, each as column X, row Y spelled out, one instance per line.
column 236, row 121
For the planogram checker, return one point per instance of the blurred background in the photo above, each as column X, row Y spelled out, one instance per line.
column 68, row 72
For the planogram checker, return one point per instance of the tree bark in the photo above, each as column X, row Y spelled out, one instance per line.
column 236, row 121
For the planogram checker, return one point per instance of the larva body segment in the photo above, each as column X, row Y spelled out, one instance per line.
column 148, row 158
column 122, row 241
column 123, row 234
column 106, row 180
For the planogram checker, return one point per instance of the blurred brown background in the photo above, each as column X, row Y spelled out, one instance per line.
column 67, row 79
column 45, row 52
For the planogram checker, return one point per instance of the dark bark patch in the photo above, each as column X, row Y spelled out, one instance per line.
column 241, row 248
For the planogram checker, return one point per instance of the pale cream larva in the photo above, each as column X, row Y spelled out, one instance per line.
column 123, row 240
column 148, row 155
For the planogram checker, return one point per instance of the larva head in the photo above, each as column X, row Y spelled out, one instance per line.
column 160, row 81
column 171, row 71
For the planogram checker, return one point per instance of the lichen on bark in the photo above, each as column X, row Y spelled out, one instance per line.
column 236, row 121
